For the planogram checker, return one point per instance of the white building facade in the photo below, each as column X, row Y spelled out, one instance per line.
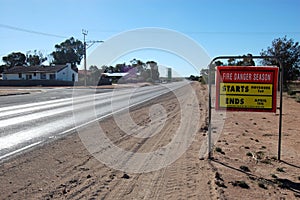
column 57, row 72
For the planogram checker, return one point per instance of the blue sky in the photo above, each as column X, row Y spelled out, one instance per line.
column 221, row 27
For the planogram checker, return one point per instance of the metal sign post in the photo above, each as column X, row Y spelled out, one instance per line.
column 264, row 109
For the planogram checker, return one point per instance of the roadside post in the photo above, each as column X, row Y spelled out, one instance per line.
column 245, row 88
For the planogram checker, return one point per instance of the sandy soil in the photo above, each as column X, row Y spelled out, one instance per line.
column 5, row 92
column 245, row 155
column 64, row 169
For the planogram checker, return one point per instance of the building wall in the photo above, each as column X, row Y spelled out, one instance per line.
column 11, row 77
column 66, row 74
column 35, row 83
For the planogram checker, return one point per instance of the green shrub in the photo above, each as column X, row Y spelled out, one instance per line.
column 241, row 184
column 291, row 92
column 280, row 169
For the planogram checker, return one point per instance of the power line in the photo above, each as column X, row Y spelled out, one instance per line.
column 30, row 31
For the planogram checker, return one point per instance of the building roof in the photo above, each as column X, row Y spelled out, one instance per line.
column 115, row 74
column 35, row 69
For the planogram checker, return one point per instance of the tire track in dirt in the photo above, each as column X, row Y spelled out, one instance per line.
column 126, row 188
column 175, row 181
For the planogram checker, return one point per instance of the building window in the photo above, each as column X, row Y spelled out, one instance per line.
column 52, row 76
column 20, row 75
column 34, row 74
column 43, row 76
column 28, row 76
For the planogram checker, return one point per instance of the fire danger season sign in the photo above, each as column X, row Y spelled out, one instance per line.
column 246, row 88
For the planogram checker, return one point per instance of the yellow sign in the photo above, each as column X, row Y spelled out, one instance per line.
column 239, row 101
column 246, row 89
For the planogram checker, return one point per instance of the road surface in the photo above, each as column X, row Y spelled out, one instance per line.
column 30, row 120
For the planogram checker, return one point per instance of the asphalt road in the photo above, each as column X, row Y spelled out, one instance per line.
column 45, row 94
column 30, row 120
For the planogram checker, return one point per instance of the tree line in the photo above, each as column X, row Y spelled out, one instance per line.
column 72, row 51
column 148, row 71
column 286, row 50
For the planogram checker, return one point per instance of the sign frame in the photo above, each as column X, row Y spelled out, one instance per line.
column 211, row 68
column 248, row 76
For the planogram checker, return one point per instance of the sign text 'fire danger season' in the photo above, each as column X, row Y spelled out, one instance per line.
column 246, row 88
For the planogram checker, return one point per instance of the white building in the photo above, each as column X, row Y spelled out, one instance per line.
column 57, row 72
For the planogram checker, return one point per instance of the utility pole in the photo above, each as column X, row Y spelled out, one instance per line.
column 91, row 42
column 84, row 32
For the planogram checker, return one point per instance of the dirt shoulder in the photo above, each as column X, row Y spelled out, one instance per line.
column 9, row 92
column 245, row 155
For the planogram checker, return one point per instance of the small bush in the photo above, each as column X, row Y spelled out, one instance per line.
column 219, row 150
column 273, row 158
column 280, row 169
column 260, row 154
column 249, row 154
column 291, row 92
column 241, row 184
column 266, row 161
column 218, row 176
column 274, row 176
column 220, row 184
column 262, row 185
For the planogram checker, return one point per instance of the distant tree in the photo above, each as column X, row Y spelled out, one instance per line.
column 69, row 51
column 111, row 69
column 153, row 69
column 104, row 69
column 231, row 62
column 139, row 65
column 219, row 63
column 194, row 78
column 119, row 67
column 288, row 52
column 14, row 59
column 35, row 58
column 146, row 75
column 2, row 68
column 246, row 61
column 95, row 74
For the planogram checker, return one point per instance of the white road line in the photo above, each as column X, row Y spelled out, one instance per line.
column 19, row 150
